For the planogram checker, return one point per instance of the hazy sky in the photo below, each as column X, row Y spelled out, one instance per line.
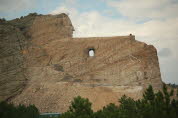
column 152, row 21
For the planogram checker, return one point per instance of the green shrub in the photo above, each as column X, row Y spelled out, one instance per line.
column 20, row 111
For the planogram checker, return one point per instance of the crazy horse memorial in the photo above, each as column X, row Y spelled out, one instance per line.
column 42, row 64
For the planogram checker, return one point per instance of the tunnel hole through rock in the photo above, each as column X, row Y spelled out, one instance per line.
column 91, row 52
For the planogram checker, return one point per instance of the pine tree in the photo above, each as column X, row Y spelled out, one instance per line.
column 80, row 108
column 149, row 94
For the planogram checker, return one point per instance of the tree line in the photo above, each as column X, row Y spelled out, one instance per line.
column 152, row 105
column 21, row 111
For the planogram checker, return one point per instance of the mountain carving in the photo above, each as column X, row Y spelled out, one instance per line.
column 42, row 64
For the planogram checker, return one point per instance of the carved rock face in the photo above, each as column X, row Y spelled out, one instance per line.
column 58, row 67
column 16, row 39
column 12, row 79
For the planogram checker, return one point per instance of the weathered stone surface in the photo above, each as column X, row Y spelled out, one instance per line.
column 16, row 39
column 12, row 78
column 58, row 67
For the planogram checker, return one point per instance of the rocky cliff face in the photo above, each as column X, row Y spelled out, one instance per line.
column 12, row 78
column 56, row 67
column 16, row 38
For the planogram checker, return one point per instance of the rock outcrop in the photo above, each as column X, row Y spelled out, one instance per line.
column 12, row 78
column 52, row 67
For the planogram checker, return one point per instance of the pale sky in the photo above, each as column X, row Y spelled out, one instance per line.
column 152, row 21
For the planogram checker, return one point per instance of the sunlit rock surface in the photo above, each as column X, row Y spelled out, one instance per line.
column 42, row 64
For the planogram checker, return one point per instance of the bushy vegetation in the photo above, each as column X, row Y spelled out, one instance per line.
column 33, row 14
column 20, row 111
column 2, row 20
column 152, row 105
column 173, row 85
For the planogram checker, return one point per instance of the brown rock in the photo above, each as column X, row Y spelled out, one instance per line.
column 58, row 67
